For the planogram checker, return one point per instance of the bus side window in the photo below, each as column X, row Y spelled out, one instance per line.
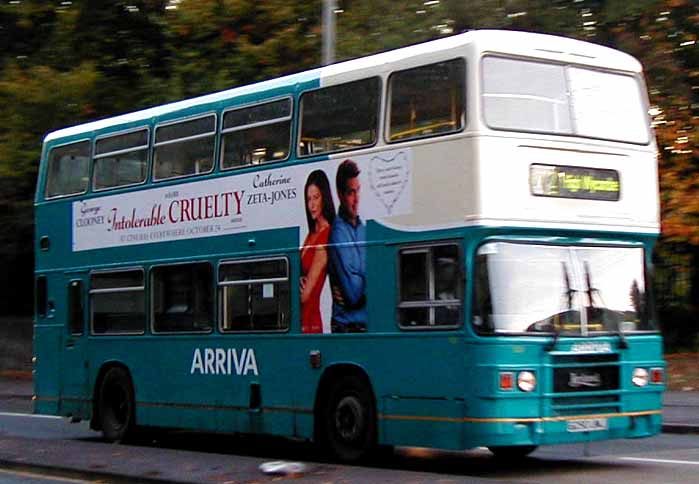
column 41, row 296
column 117, row 302
column 120, row 160
column 256, row 134
column 482, row 297
column 182, row 298
column 184, row 148
column 67, row 171
column 340, row 117
column 254, row 295
column 427, row 100
column 430, row 286
column 76, row 313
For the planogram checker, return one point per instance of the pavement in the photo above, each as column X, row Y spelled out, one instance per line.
column 16, row 384
column 103, row 462
column 76, row 457
column 681, row 412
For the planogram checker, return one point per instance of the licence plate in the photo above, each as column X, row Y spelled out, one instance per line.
column 587, row 425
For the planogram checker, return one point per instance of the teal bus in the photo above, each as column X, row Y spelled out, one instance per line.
column 446, row 245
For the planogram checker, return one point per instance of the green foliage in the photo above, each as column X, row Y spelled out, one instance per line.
column 369, row 26
column 24, row 28
column 547, row 16
column 620, row 11
column 33, row 101
column 225, row 43
column 36, row 100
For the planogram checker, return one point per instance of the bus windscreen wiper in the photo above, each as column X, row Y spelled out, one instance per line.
column 568, row 294
column 591, row 291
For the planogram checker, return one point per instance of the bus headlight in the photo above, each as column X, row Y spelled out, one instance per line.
column 526, row 381
column 640, row 377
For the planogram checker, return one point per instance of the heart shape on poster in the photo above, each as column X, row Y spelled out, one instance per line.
column 388, row 178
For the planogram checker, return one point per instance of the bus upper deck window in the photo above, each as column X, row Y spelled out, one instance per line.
column 120, row 160
column 256, row 134
column 546, row 97
column 525, row 95
column 67, row 172
column 184, row 148
column 427, row 100
column 338, row 118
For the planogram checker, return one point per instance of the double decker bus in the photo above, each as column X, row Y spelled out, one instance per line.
column 446, row 245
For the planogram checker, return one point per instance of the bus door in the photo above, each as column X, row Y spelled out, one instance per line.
column 74, row 370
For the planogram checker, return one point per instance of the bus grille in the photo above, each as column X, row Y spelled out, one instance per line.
column 585, row 379
column 578, row 381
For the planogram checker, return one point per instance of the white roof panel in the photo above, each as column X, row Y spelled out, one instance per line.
column 495, row 41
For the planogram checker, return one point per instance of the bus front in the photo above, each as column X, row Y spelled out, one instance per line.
column 565, row 343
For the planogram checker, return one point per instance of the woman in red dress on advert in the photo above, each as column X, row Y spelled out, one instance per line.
column 320, row 213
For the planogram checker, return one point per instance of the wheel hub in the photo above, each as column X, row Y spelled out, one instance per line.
column 349, row 418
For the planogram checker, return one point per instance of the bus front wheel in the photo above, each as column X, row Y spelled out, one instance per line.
column 512, row 452
column 115, row 405
column 349, row 419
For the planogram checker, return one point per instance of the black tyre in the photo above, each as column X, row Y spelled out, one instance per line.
column 512, row 452
column 115, row 405
column 348, row 420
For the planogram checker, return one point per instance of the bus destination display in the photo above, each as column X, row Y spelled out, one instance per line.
column 574, row 182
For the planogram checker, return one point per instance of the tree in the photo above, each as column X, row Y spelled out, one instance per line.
column 663, row 35
column 219, row 44
column 561, row 17
column 33, row 101
column 367, row 27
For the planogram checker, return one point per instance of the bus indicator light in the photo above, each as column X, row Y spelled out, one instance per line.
column 507, row 381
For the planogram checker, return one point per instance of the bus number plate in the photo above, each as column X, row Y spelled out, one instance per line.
column 587, row 425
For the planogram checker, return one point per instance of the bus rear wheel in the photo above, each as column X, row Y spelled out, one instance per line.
column 349, row 420
column 512, row 452
column 115, row 405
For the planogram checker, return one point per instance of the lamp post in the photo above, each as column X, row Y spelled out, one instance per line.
column 328, row 32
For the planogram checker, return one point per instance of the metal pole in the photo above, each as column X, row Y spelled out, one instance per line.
column 328, row 32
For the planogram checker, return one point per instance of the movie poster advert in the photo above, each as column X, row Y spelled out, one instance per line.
column 338, row 199
column 267, row 199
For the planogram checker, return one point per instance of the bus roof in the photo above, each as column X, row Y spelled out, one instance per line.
column 485, row 41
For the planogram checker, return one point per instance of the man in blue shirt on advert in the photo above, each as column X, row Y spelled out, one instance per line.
column 347, row 253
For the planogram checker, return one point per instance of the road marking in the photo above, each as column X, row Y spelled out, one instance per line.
column 35, row 475
column 661, row 461
column 29, row 415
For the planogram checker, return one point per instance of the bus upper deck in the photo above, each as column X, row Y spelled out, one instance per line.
column 511, row 139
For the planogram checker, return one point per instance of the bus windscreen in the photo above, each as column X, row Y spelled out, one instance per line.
column 572, row 290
